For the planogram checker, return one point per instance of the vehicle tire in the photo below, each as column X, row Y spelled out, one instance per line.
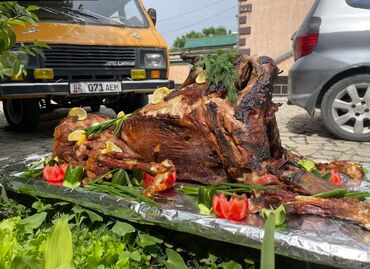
column 22, row 114
column 95, row 108
column 345, row 108
column 131, row 102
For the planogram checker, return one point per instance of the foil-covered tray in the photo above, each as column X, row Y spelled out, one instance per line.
column 309, row 238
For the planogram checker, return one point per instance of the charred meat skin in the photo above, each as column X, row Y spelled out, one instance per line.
column 208, row 139
column 344, row 208
column 199, row 134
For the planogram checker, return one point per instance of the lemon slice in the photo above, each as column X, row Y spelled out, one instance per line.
column 121, row 114
column 79, row 136
column 78, row 112
column 159, row 94
column 202, row 77
column 110, row 147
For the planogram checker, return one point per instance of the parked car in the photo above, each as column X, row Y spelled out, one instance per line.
column 332, row 68
column 100, row 53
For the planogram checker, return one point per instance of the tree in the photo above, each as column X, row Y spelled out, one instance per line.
column 12, row 61
column 206, row 32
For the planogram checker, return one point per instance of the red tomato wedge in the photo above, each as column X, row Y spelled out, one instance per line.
column 235, row 209
column 335, row 177
column 54, row 174
column 163, row 185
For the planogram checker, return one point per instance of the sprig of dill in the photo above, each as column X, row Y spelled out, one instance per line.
column 221, row 71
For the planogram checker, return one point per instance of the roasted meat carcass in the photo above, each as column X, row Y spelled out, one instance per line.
column 197, row 131
column 208, row 139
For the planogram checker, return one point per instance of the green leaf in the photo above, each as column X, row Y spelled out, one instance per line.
column 135, row 256
column 327, row 176
column 230, row 265
column 26, row 263
column 33, row 222
column 204, row 210
column 146, row 240
column 174, row 260
column 280, row 215
column 32, row 8
column 58, row 246
column 268, row 244
column 205, row 196
column 122, row 228
column 73, row 177
column 93, row 216
column 15, row 22
column 121, row 178
column 307, row 164
column 41, row 44
column 365, row 171
column 41, row 207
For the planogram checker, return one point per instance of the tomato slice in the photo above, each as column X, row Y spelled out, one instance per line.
column 163, row 185
column 148, row 179
column 238, row 208
column 54, row 174
column 235, row 209
column 335, row 177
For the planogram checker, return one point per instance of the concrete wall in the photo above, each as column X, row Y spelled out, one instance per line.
column 271, row 24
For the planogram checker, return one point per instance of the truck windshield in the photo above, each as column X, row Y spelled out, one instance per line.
column 125, row 13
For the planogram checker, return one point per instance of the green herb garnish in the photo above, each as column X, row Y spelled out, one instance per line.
column 221, row 72
column 100, row 127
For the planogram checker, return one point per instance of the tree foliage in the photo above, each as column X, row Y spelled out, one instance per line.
column 12, row 62
column 206, row 32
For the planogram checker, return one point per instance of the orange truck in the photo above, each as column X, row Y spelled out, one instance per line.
column 101, row 53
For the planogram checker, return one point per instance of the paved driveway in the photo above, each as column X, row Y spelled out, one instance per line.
column 298, row 131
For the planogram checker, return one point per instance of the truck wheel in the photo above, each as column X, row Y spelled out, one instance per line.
column 22, row 114
column 131, row 102
column 95, row 108
column 345, row 108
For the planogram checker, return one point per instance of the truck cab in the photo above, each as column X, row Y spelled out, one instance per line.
column 101, row 53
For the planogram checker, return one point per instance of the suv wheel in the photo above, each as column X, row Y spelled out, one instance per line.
column 131, row 102
column 22, row 114
column 345, row 108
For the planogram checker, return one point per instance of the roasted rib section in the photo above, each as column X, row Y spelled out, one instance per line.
column 343, row 208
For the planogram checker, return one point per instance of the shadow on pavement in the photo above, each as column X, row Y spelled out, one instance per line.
column 307, row 125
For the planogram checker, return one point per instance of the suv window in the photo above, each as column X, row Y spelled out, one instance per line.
column 359, row 3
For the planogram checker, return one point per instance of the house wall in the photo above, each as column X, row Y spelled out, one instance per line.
column 266, row 26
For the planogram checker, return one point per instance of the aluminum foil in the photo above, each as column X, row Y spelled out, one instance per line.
column 309, row 238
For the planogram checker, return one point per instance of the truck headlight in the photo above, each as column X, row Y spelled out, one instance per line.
column 154, row 60
column 22, row 56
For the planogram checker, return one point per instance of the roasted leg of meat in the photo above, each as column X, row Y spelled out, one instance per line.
column 344, row 208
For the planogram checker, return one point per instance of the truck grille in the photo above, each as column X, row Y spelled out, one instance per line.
column 72, row 56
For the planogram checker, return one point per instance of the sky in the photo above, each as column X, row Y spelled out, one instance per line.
column 177, row 17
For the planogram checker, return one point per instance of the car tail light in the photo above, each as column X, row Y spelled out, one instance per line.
column 305, row 45
column 307, row 38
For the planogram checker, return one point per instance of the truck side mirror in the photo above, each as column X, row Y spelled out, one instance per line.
column 153, row 15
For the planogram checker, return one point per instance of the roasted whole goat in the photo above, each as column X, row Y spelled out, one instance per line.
column 197, row 131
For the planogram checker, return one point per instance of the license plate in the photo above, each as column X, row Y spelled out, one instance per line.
column 95, row 87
